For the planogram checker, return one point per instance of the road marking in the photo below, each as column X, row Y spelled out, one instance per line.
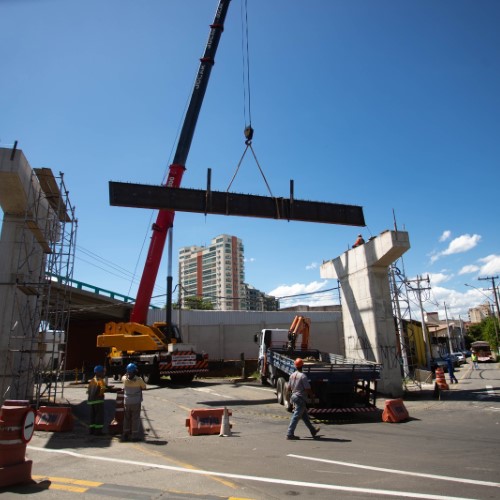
column 212, row 392
column 243, row 477
column 68, row 484
column 79, row 482
column 396, row 471
column 490, row 390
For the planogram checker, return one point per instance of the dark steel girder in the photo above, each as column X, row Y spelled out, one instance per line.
column 213, row 202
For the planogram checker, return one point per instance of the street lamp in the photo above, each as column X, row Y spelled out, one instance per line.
column 493, row 307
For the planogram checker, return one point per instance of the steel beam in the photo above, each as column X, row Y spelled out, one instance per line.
column 214, row 202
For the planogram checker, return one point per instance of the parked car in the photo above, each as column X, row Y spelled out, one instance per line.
column 439, row 362
column 442, row 362
column 460, row 357
column 454, row 359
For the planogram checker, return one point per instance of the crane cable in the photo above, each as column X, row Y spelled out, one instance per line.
column 247, row 111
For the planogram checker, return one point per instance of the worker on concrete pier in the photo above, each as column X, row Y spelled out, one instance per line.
column 359, row 241
column 299, row 388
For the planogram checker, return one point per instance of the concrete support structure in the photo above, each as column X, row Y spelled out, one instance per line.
column 369, row 326
column 36, row 241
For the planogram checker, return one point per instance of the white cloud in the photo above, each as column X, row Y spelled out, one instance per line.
column 312, row 265
column 436, row 278
column 297, row 288
column 446, row 234
column 315, row 293
column 457, row 303
column 471, row 268
column 250, row 259
column 490, row 265
column 461, row 244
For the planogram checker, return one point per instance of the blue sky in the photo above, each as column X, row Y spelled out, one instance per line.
column 386, row 104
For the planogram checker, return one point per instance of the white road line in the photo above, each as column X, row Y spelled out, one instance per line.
column 490, row 390
column 287, row 482
column 404, row 473
column 212, row 392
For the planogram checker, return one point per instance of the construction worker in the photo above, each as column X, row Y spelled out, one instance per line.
column 299, row 388
column 359, row 241
column 451, row 370
column 95, row 399
column 473, row 358
column 133, row 385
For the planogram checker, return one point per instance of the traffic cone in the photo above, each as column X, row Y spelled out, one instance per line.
column 440, row 380
column 225, row 428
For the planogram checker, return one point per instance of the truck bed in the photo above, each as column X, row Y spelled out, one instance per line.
column 319, row 364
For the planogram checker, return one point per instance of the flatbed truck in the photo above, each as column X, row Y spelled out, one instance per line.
column 339, row 384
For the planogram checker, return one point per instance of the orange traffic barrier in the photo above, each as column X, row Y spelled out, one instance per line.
column 54, row 418
column 116, row 425
column 394, row 411
column 440, row 380
column 205, row 421
column 16, row 430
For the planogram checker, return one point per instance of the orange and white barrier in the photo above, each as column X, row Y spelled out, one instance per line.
column 206, row 421
column 395, row 411
column 54, row 419
column 17, row 424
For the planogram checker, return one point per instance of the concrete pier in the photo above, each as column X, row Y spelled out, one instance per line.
column 369, row 325
column 24, row 243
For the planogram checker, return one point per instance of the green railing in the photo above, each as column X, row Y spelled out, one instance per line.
column 80, row 285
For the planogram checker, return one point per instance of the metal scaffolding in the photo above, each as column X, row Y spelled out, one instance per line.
column 42, row 244
column 404, row 324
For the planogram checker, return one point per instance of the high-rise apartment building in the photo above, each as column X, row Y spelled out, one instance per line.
column 478, row 313
column 215, row 273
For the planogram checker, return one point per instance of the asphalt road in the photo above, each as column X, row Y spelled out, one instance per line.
column 449, row 448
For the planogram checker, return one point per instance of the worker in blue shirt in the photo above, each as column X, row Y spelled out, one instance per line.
column 451, row 370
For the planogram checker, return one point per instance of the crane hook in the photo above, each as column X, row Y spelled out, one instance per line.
column 248, row 134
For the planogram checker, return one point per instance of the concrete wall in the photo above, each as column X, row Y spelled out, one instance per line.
column 225, row 335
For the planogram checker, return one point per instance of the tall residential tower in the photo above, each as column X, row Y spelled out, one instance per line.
column 215, row 273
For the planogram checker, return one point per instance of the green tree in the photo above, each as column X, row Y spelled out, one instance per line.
column 486, row 330
column 197, row 303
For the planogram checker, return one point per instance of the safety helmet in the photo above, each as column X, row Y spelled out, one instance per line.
column 99, row 369
column 299, row 363
column 131, row 367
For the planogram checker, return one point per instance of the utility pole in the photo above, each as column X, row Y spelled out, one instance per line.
column 450, row 350
column 427, row 340
column 395, row 298
column 495, row 295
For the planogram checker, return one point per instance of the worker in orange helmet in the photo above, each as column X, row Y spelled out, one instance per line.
column 299, row 388
column 359, row 241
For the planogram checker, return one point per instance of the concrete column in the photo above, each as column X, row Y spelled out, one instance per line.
column 22, row 266
column 369, row 325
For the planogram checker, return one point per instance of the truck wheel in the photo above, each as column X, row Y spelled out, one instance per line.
column 182, row 379
column 287, row 403
column 153, row 376
column 280, row 389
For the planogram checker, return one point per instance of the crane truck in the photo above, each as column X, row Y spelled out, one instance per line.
column 340, row 384
column 158, row 349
